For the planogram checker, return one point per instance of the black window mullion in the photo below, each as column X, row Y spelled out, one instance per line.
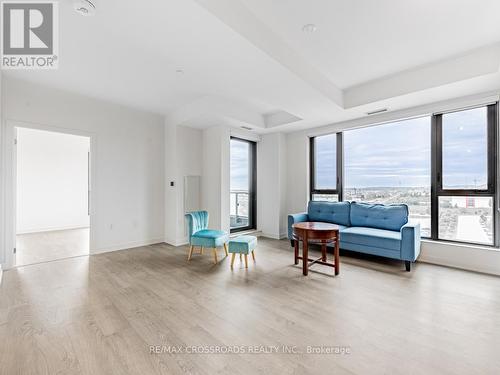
column 340, row 166
column 493, row 166
column 435, row 173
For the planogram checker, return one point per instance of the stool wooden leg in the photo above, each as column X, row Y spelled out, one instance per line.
column 190, row 252
column 232, row 259
column 225, row 249
column 215, row 255
column 246, row 261
column 253, row 256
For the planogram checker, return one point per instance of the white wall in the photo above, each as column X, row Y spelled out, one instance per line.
column 271, row 185
column 2, row 190
column 183, row 157
column 297, row 172
column 215, row 177
column 128, row 159
column 52, row 181
column 283, row 164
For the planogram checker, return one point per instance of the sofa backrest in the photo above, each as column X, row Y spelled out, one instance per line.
column 329, row 212
column 381, row 216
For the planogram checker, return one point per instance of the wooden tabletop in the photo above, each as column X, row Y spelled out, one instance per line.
column 312, row 225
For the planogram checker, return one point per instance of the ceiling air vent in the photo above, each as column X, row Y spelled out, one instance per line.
column 377, row 111
column 246, row 127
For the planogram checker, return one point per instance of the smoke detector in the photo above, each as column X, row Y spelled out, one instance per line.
column 84, row 7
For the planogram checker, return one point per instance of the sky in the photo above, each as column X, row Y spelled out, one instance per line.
column 399, row 153
column 394, row 155
column 239, row 165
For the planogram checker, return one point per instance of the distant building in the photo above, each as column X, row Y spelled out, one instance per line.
column 471, row 202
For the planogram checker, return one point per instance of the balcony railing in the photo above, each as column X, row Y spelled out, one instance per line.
column 239, row 201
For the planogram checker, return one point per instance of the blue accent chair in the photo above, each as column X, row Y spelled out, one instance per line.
column 200, row 235
column 375, row 229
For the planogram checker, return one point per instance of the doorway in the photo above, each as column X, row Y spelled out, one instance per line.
column 52, row 188
column 242, row 185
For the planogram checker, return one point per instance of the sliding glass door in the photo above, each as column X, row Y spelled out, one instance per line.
column 243, row 182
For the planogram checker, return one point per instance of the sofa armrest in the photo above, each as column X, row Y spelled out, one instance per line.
column 296, row 218
column 410, row 242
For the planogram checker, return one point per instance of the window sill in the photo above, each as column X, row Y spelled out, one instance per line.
column 461, row 245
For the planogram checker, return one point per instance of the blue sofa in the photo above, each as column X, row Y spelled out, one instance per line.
column 375, row 229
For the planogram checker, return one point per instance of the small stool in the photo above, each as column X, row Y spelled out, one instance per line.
column 242, row 245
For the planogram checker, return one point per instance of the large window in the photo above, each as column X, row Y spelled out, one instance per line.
column 391, row 163
column 326, row 167
column 442, row 166
column 465, row 175
column 242, row 189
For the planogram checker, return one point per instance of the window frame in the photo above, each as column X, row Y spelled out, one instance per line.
column 436, row 182
column 339, row 168
column 252, row 193
column 437, row 190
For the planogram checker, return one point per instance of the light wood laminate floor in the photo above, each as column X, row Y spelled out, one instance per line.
column 53, row 245
column 100, row 315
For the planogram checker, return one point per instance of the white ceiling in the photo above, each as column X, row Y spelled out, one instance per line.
column 358, row 41
column 248, row 62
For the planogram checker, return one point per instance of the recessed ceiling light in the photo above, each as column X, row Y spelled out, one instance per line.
column 84, row 7
column 309, row 28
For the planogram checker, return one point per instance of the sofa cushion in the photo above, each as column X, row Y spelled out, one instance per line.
column 380, row 238
column 329, row 212
column 381, row 216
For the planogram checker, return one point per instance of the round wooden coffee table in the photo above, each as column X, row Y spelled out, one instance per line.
column 319, row 233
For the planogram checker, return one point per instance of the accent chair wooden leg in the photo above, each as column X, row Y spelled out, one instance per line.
column 190, row 252
column 215, row 254
column 408, row 265
column 225, row 249
column 296, row 249
column 241, row 257
column 253, row 256
column 201, row 249
column 232, row 259
column 246, row 261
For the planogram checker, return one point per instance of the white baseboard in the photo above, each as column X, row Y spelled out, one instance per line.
column 126, row 246
column 466, row 257
column 273, row 236
column 52, row 229
column 176, row 242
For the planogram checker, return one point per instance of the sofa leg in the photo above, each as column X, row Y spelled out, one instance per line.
column 408, row 265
